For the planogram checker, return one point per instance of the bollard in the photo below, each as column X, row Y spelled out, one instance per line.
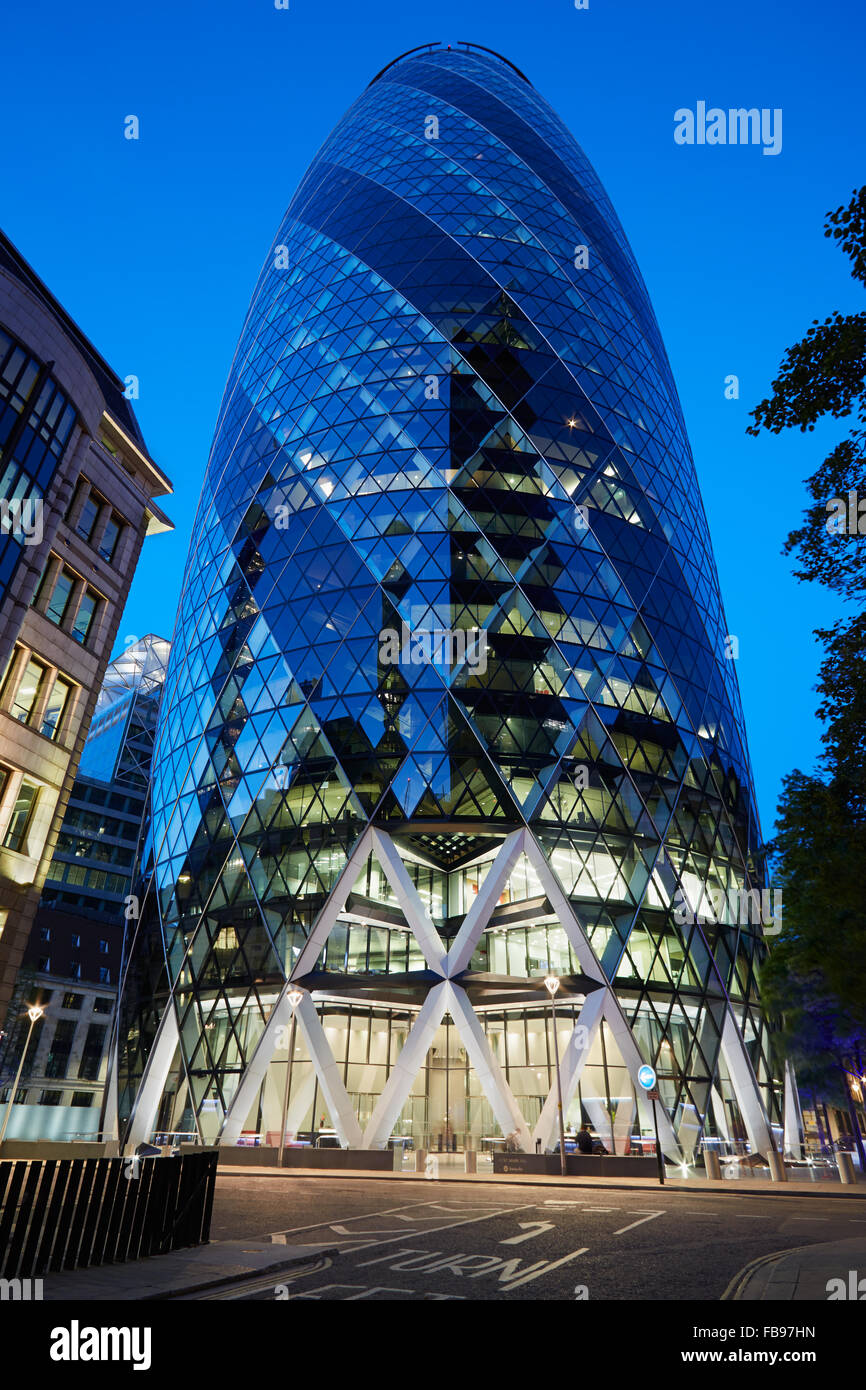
column 470, row 1161
column 711, row 1160
column 420, row 1160
column 846, row 1167
column 778, row 1172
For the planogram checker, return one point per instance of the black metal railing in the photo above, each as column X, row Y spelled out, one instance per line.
column 68, row 1213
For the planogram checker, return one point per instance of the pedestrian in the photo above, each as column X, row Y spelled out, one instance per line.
column 584, row 1139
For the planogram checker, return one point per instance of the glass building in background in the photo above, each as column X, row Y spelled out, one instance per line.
column 448, row 705
column 96, row 849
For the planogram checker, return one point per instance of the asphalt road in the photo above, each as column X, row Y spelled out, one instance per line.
column 442, row 1241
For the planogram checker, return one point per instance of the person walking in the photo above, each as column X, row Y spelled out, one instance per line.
column 584, row 1139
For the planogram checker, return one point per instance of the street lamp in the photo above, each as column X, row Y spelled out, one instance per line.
column 294, row 997
column 551, row 984
column 33, row 1013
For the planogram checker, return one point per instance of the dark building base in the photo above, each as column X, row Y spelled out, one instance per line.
column 373, row 1160
column 577, row 1165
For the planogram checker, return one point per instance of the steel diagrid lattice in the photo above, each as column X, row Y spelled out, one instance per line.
column 450, row 411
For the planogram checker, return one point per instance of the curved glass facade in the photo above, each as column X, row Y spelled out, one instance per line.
column 450, row 619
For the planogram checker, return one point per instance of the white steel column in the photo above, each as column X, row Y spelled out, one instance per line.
column 745, row 1086
column 630, row 1053
column 256, row 1069
column 586, row 956
column 793, row 1115
column 488, row 896
column 342, row 1114
column 150, row 1092
column 622, row 1123
column 719, row 1113
column 612, row 1010
column 301, row 1101
column 278, row 1030
column 405, row 1069
column 572, row 1063
column 334, row 905
column 407, row 895
column 490, row 1074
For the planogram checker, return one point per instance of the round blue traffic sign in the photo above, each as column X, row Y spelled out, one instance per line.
column 647, row 1077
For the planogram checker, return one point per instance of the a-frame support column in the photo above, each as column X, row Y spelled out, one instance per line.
column 150, row 1092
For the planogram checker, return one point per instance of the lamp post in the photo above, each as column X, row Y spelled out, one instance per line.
column 551, row 984
column 294, row 997
column 33, row 1013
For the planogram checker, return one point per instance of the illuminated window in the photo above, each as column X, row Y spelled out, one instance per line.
column 58, row 702
column 28, row 690
column 58, row 604
column 22, row 814
column 110, row 537
column 83, row 625
column 89, row 516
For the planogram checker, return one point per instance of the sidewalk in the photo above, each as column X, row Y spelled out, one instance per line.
column 803, row 1275
column 181, row 1272
column 735, row 1187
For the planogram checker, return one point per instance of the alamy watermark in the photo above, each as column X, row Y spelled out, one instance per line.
column 20, row 1290
column 434, row 646
column 851, row 1290
column 736, row 126
column 743, row 906
column 847, row 515
column 77, row 1343
column 22, row 517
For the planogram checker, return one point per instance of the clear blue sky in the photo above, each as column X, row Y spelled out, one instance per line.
column 154, row 246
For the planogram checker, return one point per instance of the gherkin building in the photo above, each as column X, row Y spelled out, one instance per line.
column 450, row 707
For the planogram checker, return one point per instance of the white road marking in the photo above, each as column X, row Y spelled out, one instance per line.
column 546, row 1269
column 651, row 1217
column 402, row 1235
column 550, row 1203
column 531, row 1229
column 374, row 1215
column 370, row 1290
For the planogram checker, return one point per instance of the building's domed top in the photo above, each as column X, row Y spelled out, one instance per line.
column 437, row 49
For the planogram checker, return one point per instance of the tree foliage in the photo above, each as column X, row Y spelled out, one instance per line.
column 815, row 976
column 825, row 374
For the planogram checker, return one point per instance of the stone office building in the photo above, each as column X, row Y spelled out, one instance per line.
column 73, row 959
column 77, row 490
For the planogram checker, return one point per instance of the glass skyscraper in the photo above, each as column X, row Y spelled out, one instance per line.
column 449, row 705
column 92, row 862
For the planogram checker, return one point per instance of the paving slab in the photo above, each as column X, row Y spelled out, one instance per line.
column 807, row 1274
column 180, row 1272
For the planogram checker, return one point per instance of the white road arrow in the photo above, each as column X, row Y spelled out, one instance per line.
column 532, row 1229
